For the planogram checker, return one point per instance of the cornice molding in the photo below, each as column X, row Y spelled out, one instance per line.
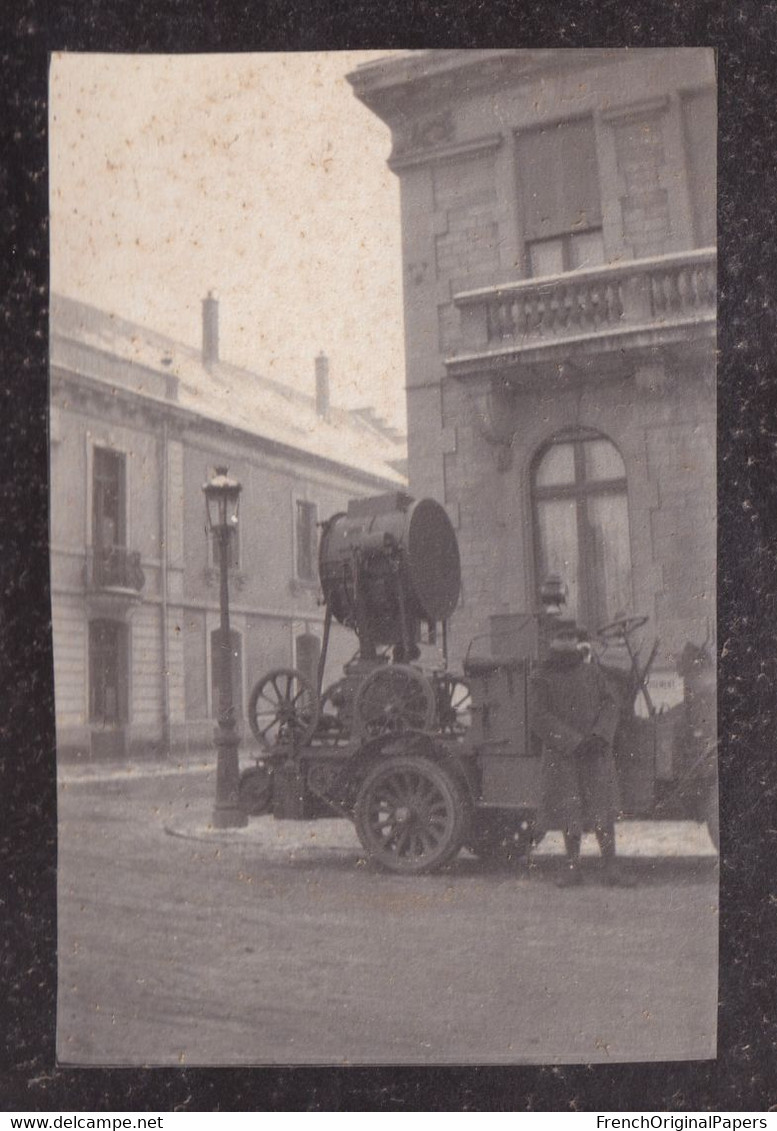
column 69, row 354
column 403, row 86
column 405, row 159
column 125, row 405
column 619, row 115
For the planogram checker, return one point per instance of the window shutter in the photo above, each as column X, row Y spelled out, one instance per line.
column 559, row 178
column 307, row 514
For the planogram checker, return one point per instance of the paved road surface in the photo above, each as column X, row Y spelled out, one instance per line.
column 292, row 950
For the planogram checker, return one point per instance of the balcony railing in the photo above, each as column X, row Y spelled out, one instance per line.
column 113, row 567
column 650, row 296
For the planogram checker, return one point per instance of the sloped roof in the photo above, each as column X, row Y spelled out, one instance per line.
column 159, row 368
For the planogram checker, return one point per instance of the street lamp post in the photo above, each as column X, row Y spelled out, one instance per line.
column 222, row 501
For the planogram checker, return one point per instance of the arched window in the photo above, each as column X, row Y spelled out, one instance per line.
column 581, row 524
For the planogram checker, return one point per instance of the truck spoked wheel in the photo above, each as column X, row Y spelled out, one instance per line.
column 283, row 709
column 410, row 815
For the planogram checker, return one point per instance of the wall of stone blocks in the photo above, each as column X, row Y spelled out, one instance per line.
column 425, row 443
column 667, row 440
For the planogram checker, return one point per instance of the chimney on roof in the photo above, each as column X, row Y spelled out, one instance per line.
column 210, row 330
column 322, row 385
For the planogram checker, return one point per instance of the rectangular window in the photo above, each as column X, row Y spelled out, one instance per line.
column 546, row 257
column 586, row 249
column 308, row 652
column 109, row 522
column 572, row 252
column 107, row 672
column 560, row 200
column 108, row 499
column 306, row 540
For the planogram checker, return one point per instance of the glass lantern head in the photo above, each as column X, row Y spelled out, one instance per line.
column 222, row 500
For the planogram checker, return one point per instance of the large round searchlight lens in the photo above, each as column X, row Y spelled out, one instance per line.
column 433, row 560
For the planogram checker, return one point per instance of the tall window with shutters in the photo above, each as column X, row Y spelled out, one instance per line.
column 109, row 515
column 308, row 652
column 560, row 200
column 581, row 524
column 107, row 672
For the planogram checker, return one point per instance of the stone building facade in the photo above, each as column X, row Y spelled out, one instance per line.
column 558, row 232
column 138, row 423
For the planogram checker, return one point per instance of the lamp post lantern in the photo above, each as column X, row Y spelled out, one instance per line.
column 222, row 502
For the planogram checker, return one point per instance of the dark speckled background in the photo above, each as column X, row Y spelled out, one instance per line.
column 745, row 34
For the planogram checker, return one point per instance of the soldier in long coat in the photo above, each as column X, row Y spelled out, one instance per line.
column 575, row 712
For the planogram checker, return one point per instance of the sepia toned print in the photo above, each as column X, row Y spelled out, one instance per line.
column 383, row 556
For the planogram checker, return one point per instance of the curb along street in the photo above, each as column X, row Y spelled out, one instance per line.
column 646, row 840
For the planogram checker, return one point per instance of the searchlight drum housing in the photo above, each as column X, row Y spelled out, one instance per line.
column 387, row 564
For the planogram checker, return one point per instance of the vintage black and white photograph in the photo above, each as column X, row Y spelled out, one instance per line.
column 383, row 556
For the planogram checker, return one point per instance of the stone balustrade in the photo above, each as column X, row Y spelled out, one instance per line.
column 666, row 292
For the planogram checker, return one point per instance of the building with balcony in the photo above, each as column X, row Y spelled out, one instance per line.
column 138, row 423
column 558, row 237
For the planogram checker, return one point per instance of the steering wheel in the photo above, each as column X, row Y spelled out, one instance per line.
column 620, row 629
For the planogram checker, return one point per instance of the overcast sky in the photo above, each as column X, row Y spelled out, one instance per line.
column 259, row 176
